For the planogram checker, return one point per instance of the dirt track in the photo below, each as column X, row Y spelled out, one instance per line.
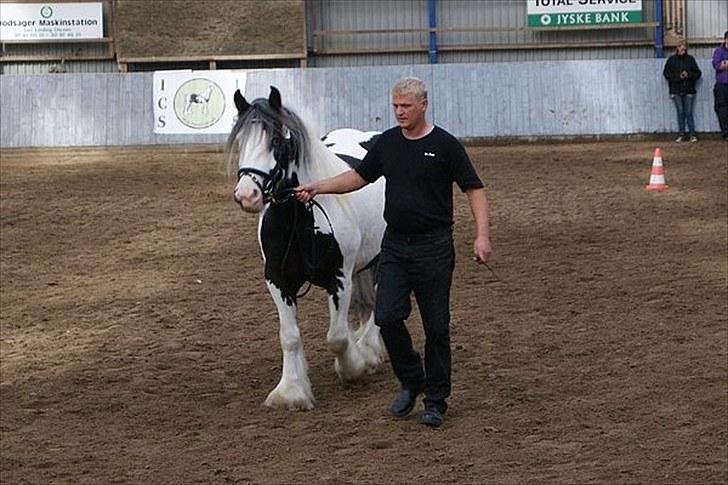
column 138, row 341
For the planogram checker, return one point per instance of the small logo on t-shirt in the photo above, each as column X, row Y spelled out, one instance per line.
column 429, row 154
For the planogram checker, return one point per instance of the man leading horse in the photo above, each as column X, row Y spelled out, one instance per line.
column 420, row 162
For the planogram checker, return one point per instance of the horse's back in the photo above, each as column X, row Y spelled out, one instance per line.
column 349, row 144
column 367, row 203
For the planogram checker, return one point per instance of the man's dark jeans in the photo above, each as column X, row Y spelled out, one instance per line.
column 421, row 264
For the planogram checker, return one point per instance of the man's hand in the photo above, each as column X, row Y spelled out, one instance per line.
column 305, row 193
column 684, row 75
column 343, row 183
column 481, row 250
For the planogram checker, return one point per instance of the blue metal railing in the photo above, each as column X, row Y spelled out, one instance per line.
column 432, row 15
column 659, row 31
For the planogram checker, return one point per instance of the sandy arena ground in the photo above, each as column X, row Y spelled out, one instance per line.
column 138, row 341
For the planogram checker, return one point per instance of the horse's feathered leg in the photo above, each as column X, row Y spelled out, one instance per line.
column 367, row 336
column 294, row 389
column 349, row 363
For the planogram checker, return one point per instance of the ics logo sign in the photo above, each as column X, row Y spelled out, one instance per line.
column 196, row 102
column 199, row 103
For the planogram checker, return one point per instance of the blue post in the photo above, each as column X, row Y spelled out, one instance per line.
column 659, row 31
column 432, row 14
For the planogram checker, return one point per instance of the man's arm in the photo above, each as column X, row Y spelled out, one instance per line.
column 718, row 63
column 479, row 207
column 695, row 72
column 339, row 184
column 667, row 71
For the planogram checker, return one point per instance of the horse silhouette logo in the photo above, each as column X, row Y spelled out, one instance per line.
column 202, row 99
column 199, row 103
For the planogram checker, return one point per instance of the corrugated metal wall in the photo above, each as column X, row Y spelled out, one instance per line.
column 56, row 66
column 705, row 21
column 533, row 99
column 333, row 26
column 706, row 18
column 57, row 51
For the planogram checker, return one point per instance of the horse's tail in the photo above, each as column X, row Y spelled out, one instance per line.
column 363, row 295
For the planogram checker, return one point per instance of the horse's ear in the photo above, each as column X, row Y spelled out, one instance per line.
column 240, row 102
column 275, row 98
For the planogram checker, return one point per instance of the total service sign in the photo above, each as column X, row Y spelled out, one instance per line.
column 570, row 13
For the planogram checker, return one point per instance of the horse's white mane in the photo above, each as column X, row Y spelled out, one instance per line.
column 320, row 162
column 315, row 161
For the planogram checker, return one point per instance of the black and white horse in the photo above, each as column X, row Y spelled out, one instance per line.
column 198, row 98
column 332, row 243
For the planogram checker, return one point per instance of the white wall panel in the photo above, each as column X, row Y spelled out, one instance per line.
column 706, row 18
column 499, row 99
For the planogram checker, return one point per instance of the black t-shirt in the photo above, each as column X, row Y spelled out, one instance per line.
column 419, row 175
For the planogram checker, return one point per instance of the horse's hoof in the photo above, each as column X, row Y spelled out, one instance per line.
column 292, row 400
column 351, row 372
column 371, row 361
column 373, row 355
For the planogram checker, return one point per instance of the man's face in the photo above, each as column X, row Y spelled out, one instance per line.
column 682, row 49
column 408, row 110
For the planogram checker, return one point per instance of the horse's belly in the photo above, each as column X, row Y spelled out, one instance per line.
column 370, row 214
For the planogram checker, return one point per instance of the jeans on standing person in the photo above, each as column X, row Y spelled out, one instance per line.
column 684, row 108
column 421, row 264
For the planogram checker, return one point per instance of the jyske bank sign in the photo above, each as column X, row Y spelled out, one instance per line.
column 574, row 13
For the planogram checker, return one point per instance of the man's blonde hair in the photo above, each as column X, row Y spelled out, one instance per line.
column 410, row 86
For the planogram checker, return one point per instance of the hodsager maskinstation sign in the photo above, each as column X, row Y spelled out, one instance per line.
column 51, row 21
column 574, row 13
column 196, row 102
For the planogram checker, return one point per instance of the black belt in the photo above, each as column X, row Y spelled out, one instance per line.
column 419, row 236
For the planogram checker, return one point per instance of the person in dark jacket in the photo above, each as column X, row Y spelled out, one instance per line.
column 682, row 72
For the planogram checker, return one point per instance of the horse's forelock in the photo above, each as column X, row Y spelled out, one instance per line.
column 272, row 122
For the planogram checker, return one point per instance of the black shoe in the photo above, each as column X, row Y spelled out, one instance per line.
column 404, row 402
column 432, row 417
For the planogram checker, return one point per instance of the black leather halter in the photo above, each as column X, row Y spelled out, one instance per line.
column 269, row 183
column 271, row 186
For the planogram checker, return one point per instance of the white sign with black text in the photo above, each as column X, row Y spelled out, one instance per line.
column 42, row 22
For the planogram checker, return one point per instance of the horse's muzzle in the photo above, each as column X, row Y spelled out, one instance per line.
column 252, row 203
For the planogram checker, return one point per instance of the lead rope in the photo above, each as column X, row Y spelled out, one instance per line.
column 309, row 207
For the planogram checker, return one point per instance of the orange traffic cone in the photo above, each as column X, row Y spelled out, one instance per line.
column 657, row 176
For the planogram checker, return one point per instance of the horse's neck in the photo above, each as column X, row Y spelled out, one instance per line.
column 322, row 163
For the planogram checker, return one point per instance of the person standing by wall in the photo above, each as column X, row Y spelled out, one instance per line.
column 720, row 90
column 682, row 72
column 420, row 162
